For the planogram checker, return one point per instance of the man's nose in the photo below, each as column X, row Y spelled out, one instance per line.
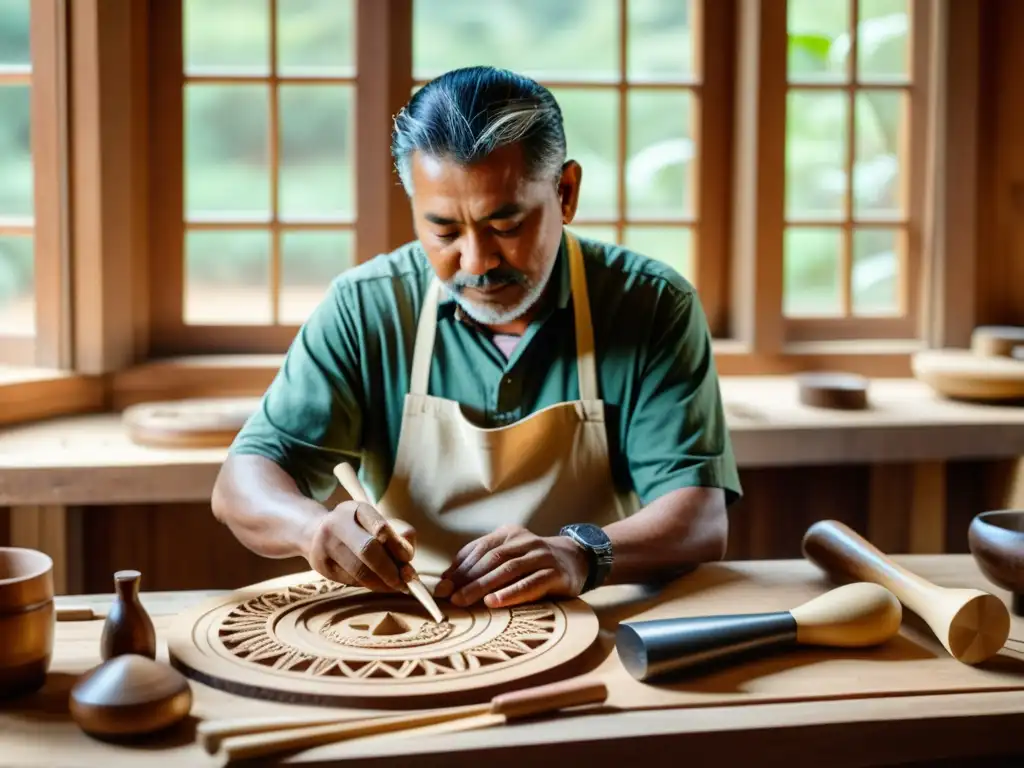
column 477, row 256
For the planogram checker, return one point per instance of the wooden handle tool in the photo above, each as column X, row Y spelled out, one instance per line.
column 350, row 482
column 851, row 616
column 972, row 625
column 501, row 709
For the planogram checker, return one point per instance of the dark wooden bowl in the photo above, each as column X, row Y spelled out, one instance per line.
column 996, row 540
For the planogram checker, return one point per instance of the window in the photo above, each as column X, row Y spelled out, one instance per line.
column 853, row 190
column 17, row 206
column 31, row 111
column 262, row 99
column 630, row 77
column 774, row 152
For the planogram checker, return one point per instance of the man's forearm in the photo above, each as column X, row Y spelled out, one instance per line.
column 263, row 507
column 670, row 536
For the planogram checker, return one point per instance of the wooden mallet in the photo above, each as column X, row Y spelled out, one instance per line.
column 851, row 616
column 971, row 624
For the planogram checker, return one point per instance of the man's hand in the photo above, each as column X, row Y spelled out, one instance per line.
column 354, row 544
column 513, row 566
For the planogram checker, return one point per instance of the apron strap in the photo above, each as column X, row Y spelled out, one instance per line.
column 423, row 350
column 586, row 367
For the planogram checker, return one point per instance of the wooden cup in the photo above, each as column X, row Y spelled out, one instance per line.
column 27, row 620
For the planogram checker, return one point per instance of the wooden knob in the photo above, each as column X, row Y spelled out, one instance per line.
column 971, row 625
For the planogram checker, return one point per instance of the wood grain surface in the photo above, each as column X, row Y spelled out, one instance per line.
column 957, row 711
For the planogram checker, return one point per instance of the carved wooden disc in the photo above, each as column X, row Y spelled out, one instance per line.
column 302, row 639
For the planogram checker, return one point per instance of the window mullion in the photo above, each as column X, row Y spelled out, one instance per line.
column 759, row 176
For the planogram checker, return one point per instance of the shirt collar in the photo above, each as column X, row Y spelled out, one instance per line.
column 560, row 283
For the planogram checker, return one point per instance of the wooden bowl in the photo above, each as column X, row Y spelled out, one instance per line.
column 996, row 540
column 27, row 620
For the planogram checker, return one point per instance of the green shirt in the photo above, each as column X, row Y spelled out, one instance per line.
column 340, row 392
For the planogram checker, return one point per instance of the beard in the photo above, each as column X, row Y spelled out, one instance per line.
column 493, row 312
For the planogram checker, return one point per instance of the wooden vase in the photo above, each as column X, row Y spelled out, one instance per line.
column 128, row 627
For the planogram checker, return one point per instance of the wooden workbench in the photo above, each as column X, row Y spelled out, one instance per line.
column 970, row 726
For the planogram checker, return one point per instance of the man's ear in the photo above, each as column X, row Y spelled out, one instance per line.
column 569, row 190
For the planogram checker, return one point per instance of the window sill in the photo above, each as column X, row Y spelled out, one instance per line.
column 30, row 394
column 249, row 375
column 88, row 459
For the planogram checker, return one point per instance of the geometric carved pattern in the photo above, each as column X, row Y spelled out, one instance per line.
column 309, row 640
column 246, row 632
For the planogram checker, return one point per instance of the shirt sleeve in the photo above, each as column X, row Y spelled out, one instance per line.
column 311, row 416
column 677, row 435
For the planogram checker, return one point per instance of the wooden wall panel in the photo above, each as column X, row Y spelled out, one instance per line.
column 182, row 546
column 780, row 504
column 174, row 547
column 1000, row 265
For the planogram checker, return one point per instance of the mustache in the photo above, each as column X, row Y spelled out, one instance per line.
column 495, row 278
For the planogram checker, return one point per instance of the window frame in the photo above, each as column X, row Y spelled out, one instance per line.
column 750, row 334
column 914, row 153
column 49, row 346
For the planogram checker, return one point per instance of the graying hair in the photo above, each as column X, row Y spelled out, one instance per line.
column 466, row 114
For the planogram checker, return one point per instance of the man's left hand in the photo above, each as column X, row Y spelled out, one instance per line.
column 512, row 566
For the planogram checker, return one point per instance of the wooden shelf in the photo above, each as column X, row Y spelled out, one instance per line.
column 88, row 459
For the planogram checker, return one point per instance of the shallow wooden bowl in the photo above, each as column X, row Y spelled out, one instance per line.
column 996, row 540
column 27, row 620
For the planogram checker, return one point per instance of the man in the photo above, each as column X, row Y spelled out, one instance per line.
column 536, row 414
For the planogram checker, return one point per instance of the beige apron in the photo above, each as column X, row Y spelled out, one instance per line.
column 454, row 481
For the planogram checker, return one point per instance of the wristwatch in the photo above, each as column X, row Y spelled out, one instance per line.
column 597, row 545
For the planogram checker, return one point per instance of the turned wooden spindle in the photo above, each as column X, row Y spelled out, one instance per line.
column 128, row 628
column 972, row 625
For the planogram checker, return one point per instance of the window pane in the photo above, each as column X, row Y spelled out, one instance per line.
column 877, row 256
column 315, row 37
column 878, row 174
column 17, row 286
column 592, row 139
column 226, row 161
column 671, row 245
column 16, row 182
column 660, row 45
column 226, row 36
column 812, row 281
column 317, row 162
column 595, row 232
column 661, row 154
column 819, row 40
column 309, row 262
column 882, row 34
column 816, row 127
column 14, row 33
column 227, row 278
column 565, row 40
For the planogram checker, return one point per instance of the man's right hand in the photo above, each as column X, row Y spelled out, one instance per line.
column 354, row 544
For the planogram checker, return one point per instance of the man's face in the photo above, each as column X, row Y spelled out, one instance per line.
column 491, row 233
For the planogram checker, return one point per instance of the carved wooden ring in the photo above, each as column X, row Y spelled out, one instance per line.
column 302, row 639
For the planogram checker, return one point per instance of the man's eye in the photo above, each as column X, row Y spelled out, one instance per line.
column 509, row 231
column 447, row 236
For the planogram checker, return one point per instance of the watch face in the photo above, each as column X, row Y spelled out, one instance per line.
column 591, row 535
